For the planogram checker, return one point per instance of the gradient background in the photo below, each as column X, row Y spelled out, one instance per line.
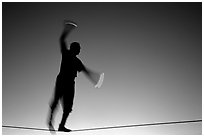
column 151, row 54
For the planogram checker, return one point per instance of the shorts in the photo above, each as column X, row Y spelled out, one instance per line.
column 64, row 92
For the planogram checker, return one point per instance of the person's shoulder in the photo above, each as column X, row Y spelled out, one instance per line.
column 67, row 53
column 79, row 64
column 78, row 59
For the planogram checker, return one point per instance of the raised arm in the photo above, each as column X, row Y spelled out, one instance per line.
column 68, row 27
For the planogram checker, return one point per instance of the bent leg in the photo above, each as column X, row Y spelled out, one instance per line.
column 54, row 103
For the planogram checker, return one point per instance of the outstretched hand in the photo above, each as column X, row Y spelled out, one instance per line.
column 69, row 25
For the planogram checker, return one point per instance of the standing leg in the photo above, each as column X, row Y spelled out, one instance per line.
column 67, row 102
column 63, row 121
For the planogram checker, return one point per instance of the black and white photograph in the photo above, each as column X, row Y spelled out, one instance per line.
column 101, row 68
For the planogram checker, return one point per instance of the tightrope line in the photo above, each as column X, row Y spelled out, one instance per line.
column 110, row 127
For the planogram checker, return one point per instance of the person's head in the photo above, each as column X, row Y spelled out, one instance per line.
column 75, row 48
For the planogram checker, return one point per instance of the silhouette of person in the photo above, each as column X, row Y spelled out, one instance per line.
column 65, row 81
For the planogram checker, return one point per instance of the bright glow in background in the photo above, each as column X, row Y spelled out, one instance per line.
column 150, row 53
